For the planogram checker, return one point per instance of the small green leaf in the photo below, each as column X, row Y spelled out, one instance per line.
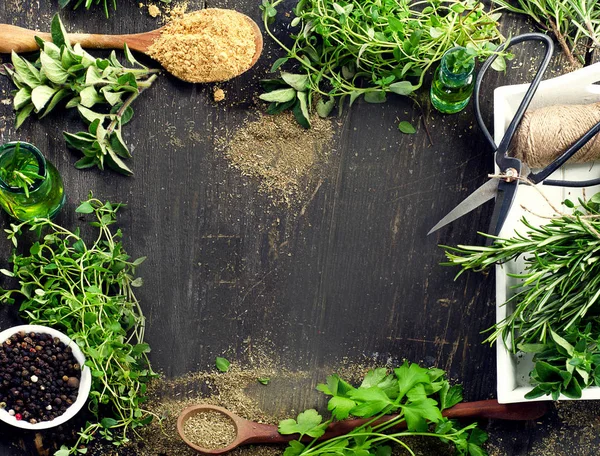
column 324, row 108
column 264, row 380
column 297, row 81
column 279, row 96
column 85, row 208
column 108, row 422
column 222, row 364
column 41, row 95
column 307, row 423
column 303, row 104
column 402, row 88
column 280, row 61
column 375, row 97
column 406, row 127
column 59, row 34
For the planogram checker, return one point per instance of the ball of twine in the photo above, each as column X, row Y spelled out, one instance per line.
column 545, row 134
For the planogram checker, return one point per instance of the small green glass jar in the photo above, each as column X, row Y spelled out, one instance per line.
column 452, row 87
column 45, row 195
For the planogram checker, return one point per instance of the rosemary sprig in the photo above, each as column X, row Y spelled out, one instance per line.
column 572, row 22
column 560, row 285
column 101, row 90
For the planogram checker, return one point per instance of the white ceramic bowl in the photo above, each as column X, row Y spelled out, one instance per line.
column 85, row 383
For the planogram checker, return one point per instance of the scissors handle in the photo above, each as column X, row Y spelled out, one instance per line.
column 501, row 150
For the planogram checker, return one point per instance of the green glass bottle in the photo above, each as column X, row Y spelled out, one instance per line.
column 29, row 185
column 453, row 81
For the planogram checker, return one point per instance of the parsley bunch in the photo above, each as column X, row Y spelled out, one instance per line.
column 85, row 289
column 102, row 91
column 416, row 394
column 347, row 49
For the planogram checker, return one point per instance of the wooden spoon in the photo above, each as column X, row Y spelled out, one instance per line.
column 18, row 39
column 248, row 432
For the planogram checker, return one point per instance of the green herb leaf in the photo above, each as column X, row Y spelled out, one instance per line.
column 263, row 380
column 298, row 81
column 307, row 423
column 222, row 364
column 406, row 127
column 279, row 96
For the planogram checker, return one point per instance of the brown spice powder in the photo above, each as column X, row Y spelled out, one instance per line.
column 281, row 154
column 210, row 429
column 206, row 46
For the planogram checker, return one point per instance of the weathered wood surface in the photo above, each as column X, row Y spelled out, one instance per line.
column 354, row 276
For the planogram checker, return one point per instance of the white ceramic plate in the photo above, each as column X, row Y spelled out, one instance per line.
column 577, row 87
column 85, row 383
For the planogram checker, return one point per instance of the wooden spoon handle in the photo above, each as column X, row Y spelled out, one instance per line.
column 18, row 39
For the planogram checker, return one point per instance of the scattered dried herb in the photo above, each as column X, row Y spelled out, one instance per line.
column 68, row 73
column 347, row 49
column 86, row 290
column 104, row 4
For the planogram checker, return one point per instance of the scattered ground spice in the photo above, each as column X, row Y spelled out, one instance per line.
column 218, row 95
column 281, row 154
column 210, row 429
column 154, row 10
column 206, row 46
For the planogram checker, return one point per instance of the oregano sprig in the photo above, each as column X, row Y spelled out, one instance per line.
column 102, row 91
column 86, row 289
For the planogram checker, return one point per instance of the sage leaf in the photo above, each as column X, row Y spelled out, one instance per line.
column 402, row 88
column 406, row 127
column 22, row 97
column 297, row 81
column 23, row 114
column 279, row 96
column 375, row 97
column 58, row 32
column 303, row 105
column 41, row 95
column 324, row 108
column 52, row 69
column 90, row 115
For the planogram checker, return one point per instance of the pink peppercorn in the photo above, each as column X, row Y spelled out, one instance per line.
column 19, row 417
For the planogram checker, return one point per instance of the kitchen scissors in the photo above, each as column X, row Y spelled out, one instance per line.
column 512, row 172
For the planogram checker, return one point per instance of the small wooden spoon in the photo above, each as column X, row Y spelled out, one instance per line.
column 248, row 432
column 18, row 39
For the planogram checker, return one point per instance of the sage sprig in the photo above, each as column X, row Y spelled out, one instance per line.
column 86, row 289
column 102, row 91
column 348, row 49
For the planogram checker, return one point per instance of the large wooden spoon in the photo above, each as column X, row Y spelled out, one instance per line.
column 250, row 432
column 18, row 39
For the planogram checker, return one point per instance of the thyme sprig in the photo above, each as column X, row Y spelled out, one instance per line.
column 348, row 49
column 102, row 91
column 574, row 23
column 86, row 289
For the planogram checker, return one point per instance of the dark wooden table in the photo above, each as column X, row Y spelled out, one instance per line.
column 354, row 276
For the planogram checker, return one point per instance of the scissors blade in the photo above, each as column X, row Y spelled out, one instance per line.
column 483, row 194
column 504, row 200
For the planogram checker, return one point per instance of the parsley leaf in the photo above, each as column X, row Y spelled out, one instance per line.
column 307, row 423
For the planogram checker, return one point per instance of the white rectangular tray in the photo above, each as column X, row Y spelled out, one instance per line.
column 574, row 88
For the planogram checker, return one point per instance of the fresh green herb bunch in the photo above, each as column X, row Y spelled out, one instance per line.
column 460, row 60
column 102, row 90
column 416, row 394
column 557, row 296
column 566, row 365
column 21, row 170
column 89, row 3
column 346, row 49
column 574, row 23
column 86, row 290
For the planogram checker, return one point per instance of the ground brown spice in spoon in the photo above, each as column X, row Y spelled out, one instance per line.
column 210, row 430
column 206, row 46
